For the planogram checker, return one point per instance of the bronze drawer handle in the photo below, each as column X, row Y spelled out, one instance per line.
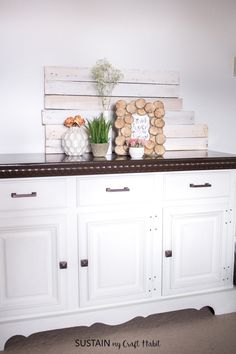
column 28, row 195
column 205, row 185
column 125, row 189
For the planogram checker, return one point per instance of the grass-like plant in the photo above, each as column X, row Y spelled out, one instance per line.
column 98, row 130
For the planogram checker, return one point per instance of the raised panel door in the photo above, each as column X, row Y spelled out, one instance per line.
column 118, row 248
column 197, row 241
column 30, row 252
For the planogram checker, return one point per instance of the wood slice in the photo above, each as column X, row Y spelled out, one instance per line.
column 119, row 123
column 126, row 131
column 120, row 112
column 148, row 151
column 152, row 121
column 149, row 107
column 128, row 118
column 160, row 131
column 160, row 139
column 120, row 150
column 153, row 138
column 151, row 115
column 153, row 130
column 141, row 111
column 149, row 144
column 131, row 108
column 159, row 112
column 120, row 140
column 140, row 103
column 120, row 104
column 159, row 149
column 158, row 104
column 159, row 123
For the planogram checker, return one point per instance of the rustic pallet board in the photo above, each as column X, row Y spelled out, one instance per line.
column 94, row 103
column 71, row 90
column 179, row 117
column 54, row 145
column 56, row 131
column 52, row 73
column 186, row 131
column 186, row 144
column 57, row 116
column 121, row 90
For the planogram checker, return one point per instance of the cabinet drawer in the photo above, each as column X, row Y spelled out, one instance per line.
column 114, row 189
column 23, row 194
column 197, row 185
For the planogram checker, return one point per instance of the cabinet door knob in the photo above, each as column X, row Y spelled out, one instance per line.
column 63, row 265
column 168, row 253
column 84, row 262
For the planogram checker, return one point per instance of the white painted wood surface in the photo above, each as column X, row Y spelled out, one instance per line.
column 94, row 102
column 71, row 90
column 186, row 131
column 57, row 116
column 54, row 145
column 121, row 90
column 53, row 73
column 186, row 144
column 56, row 131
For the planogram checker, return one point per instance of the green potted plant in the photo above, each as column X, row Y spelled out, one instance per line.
column 98, row 131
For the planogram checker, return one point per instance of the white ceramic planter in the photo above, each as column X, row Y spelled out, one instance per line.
column 75, row 141
column 136, row 152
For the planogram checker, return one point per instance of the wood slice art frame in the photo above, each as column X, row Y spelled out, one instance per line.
column 124, row 119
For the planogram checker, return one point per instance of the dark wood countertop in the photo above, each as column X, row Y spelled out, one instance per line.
column 41, row 165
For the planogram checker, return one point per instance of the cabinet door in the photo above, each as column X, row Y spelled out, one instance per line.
column 198, row 245
column 116, row 257
column 30, row 251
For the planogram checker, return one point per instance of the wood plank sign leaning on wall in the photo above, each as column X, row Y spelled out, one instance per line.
column 140, row 120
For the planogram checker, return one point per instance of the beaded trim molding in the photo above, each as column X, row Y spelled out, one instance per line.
column 112, row 168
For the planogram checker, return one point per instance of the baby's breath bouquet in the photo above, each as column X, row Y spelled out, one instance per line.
column 106, row 78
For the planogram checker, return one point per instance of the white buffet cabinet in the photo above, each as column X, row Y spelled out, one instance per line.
column 79, row 250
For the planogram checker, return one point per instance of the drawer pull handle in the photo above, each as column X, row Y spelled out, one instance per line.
column 205, row 185
column 28, row 195
column 125, row 189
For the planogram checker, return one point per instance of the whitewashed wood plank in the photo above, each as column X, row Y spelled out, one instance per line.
column 171, row 144
column 186, row 131
column 121, row 90
column 54, row 132
column 57, row 116
column 130, row 75
column 186, row 144
column 179, row 117
column 173, row 131
column 94, row 103
column 53, row 146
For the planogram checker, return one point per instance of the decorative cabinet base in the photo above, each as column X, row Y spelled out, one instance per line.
column 220, row 301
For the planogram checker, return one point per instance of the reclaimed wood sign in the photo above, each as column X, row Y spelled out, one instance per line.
column 71, row 90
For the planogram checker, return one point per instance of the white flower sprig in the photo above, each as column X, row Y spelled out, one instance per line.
column 106, row 78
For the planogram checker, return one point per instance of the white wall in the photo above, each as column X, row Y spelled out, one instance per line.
column 198, row 38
